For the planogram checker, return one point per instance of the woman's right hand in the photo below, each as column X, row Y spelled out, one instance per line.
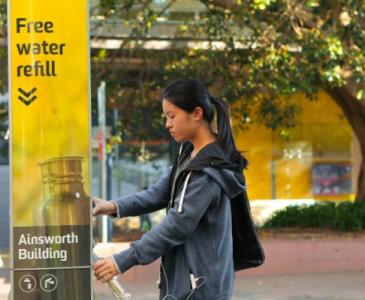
column 103, row 207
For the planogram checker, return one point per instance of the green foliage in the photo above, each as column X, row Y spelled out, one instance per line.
column 348, row 216
column 261, row 4
column 3, row 48
column 3, row 78
column 257, row 54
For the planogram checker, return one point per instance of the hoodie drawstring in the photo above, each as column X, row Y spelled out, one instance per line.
column 183, row 193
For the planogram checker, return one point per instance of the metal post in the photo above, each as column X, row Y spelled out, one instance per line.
column 103, row 175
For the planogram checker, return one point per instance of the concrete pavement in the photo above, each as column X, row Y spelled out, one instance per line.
column 317, row 286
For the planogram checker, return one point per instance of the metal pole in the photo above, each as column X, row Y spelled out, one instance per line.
column 103, row 175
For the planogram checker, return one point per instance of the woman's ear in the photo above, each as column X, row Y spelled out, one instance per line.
column 197, row 113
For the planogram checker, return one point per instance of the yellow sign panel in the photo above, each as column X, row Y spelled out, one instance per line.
column 50, row 156
column 49, row 90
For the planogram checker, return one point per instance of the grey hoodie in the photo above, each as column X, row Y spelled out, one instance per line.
column 195, row 238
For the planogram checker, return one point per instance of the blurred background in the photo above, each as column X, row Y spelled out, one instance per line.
column 293, row 75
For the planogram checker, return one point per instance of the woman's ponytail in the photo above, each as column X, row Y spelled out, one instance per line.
column 224, row 132
column 189, row 93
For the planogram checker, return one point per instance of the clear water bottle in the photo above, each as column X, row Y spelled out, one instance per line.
column 115, row 286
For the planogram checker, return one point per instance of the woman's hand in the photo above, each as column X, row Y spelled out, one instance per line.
column 104, row 269
column 103, row 207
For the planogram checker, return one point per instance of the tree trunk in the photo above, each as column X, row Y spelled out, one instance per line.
column 354, row 111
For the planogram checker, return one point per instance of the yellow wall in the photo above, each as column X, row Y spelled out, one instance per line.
column 322, row 134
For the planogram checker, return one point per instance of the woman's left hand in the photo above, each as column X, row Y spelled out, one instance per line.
column 104, row 269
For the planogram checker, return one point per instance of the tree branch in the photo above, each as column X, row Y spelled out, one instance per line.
column 353, row 109
column 226, row 4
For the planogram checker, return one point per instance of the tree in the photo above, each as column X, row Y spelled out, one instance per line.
column 260, row 53
column 304, row 46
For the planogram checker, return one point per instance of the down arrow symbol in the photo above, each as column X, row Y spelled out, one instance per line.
column 25, row 96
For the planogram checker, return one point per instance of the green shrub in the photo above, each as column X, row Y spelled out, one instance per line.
column 346, row 216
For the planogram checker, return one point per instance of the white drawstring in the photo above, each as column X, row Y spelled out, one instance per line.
column 183, row 193
column 193, row 281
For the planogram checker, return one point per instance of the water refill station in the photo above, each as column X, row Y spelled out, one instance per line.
column 49, row 84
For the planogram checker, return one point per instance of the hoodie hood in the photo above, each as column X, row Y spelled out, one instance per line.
column 211, row 155
column 211, row 159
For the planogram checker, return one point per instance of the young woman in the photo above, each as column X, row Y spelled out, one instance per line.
column 204, row 237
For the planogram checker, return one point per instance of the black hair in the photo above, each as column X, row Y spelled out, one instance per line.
column 188, row 94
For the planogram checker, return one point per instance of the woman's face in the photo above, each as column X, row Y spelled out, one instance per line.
column 181, row 124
